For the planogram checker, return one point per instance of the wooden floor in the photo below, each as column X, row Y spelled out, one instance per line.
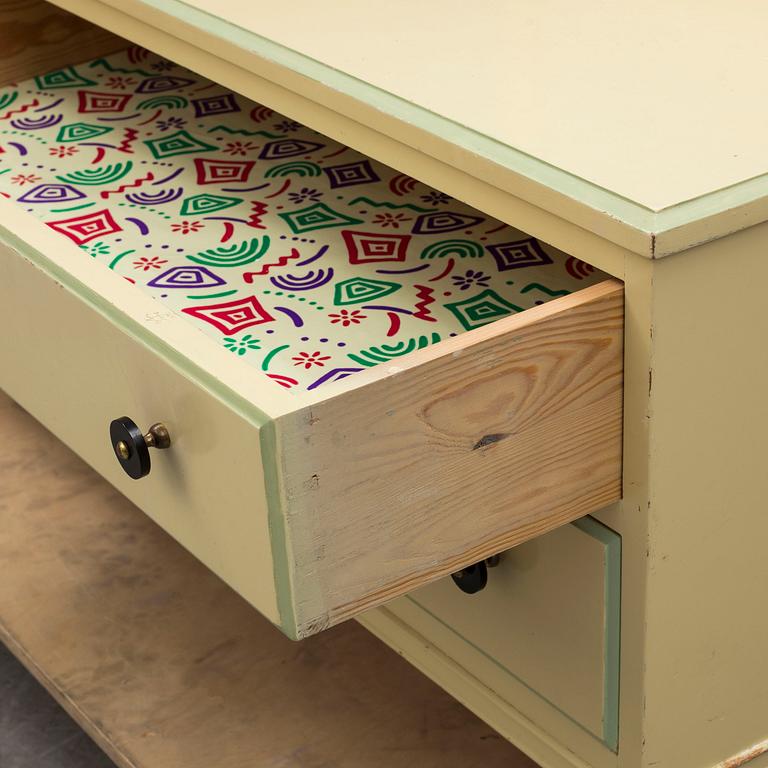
column 166, row 667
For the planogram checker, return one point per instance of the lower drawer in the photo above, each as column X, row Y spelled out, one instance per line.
column 547, row 623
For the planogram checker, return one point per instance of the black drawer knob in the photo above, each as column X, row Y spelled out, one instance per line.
column 474, row 578
column 132, row 447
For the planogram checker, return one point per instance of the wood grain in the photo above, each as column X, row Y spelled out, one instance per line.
column 166, row 667
column 503, row 433
column 36, row 37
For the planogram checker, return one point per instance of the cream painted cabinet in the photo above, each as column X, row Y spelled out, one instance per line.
column 401, row 310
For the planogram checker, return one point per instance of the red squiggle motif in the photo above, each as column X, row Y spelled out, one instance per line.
column 151, row 119
column 445, row 272
column 282, row 189
column 281, row 262
column 107, row 192
column 24, row 108
column 130, row 137
column 229, row 229
column 394, row 323
column 425, row 294
column 259, row 209
column 100, row 152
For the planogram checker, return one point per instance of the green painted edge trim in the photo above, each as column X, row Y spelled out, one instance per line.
column 610, row 734
column 139, row 333
column 625, row 210
column 278, row 534
column 611, row 680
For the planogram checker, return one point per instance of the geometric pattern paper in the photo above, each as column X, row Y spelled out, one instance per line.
column 232, row 316
column 187, row 277
column 444, row 221
column 304, row 259
column 162, row 83
column 277, row 150
column 93, row 101
column 317, row 216
column 222, row 171
column 179, row 143
column 482, row 309
column 197, row 205
column 52, row 193
column 62, row 78
column 364, row 247
column 517, row 254
column 81, row 132
column 360, row 289
column 351, row 174
column 215, row 105
column 82, row 229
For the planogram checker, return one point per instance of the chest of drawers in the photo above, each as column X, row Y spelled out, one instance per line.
column 367, row 449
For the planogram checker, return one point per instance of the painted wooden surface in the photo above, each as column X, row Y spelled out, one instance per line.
column 36, row 36
column 590, row 69
column 706, row 632
column 168, row 668
column 514, row 430
column 587, row 174
column 77, row 374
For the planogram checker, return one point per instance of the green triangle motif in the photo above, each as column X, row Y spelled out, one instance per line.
column 317, row 216
column 81, row 132
column 179, row 143
column 198, row 204
column 62, row 78
column 482, row 309
column 360, row 289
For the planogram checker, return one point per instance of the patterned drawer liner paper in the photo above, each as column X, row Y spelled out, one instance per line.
column 303, row 257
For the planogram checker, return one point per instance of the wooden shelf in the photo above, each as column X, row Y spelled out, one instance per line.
column 166, row 667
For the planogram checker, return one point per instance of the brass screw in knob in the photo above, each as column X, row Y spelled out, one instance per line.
column 132, row 447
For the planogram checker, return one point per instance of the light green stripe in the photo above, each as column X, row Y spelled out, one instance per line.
column 277, row 532
column 612, row 542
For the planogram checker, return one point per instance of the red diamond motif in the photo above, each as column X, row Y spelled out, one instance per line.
column 232, row 316
column 91, row 101
column 222, row 171
column 366, row 247
column 81, row 229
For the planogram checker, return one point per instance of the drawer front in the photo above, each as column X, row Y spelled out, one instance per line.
column 548, row 620
column 75, row 370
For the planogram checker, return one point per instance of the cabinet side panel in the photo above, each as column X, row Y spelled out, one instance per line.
column 706, row 693
column 74, row 371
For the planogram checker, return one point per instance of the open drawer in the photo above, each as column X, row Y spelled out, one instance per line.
column 367, row 384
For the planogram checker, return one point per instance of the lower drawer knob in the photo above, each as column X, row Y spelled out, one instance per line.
column 474, row 578
column 471, row 579
column 132, row 447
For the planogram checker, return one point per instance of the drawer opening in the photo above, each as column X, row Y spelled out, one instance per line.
column 305, row 259
column 404, row 385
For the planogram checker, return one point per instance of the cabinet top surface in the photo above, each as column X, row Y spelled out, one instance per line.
column 650, row 100
column 635, row 110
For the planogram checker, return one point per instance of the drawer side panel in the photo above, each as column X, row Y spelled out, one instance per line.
column 500, row 435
